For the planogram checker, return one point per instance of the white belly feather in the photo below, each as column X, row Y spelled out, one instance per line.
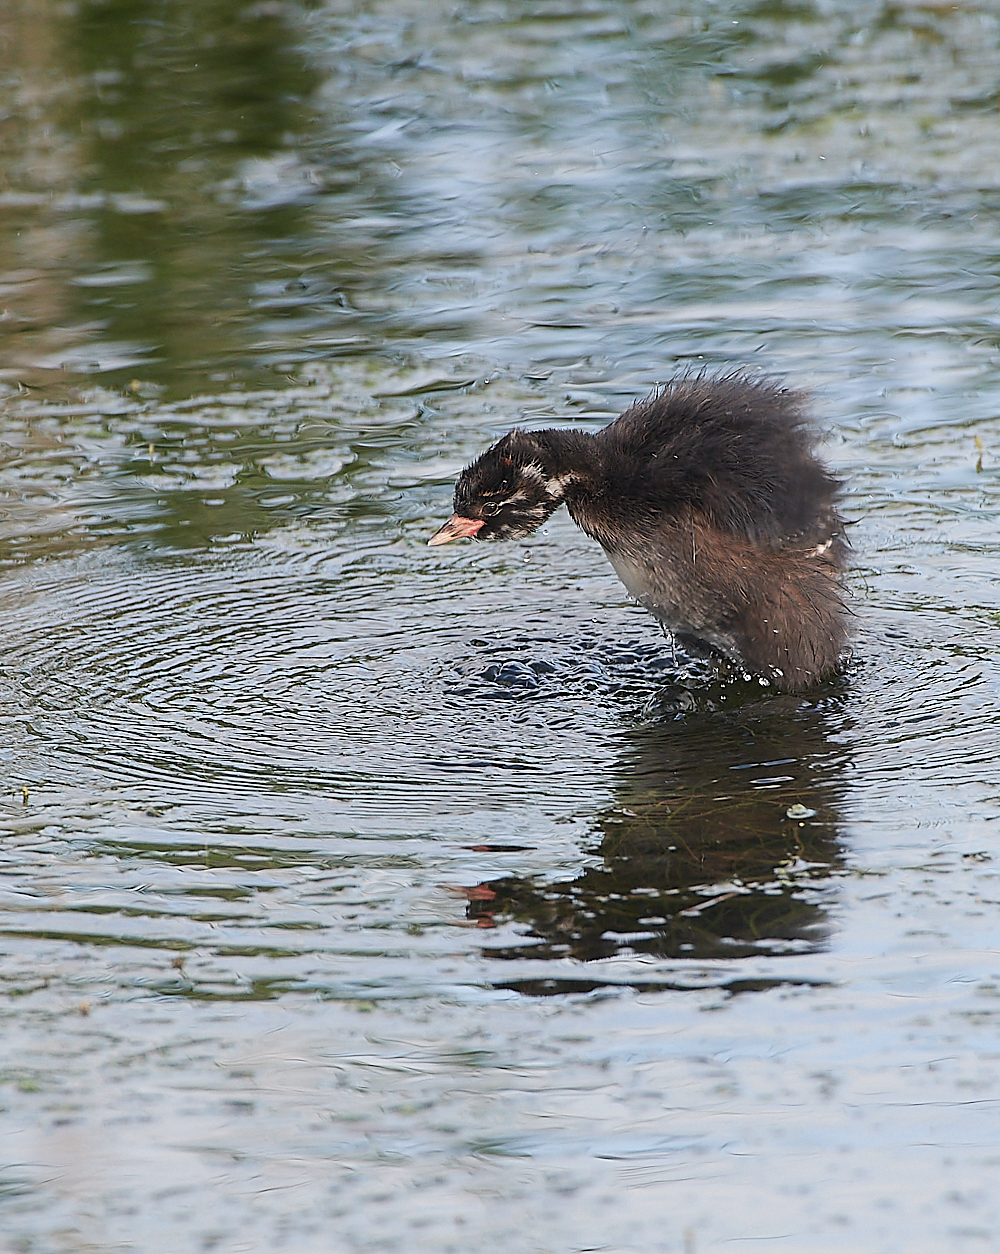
column 634, row 576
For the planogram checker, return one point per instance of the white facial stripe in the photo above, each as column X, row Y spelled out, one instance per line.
column 555, row 487
column 558, row 484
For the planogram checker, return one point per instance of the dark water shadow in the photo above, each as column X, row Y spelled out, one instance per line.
column 722, row 844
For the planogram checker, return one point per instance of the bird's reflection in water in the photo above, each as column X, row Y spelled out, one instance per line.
column 721, row 845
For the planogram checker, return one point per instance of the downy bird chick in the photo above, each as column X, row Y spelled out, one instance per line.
column 712, row 508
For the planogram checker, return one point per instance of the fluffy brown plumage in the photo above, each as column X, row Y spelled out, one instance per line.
column 711, row 506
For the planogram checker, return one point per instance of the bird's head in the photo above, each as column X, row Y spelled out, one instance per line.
column 505, row 494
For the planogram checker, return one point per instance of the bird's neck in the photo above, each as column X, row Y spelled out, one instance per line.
column 571, row 461
column 579, row 474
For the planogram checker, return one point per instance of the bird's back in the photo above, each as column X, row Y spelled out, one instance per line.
column 737, row 451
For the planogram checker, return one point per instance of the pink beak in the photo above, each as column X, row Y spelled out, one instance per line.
column 456, row 528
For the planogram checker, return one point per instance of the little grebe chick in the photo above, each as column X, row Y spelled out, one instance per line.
column 711, row 506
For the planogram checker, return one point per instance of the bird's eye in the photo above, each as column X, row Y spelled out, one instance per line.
column 489, row 508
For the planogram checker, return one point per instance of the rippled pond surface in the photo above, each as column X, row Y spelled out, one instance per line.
column 363, row 896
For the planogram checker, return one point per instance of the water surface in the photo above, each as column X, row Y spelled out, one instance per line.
column 363, row 896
